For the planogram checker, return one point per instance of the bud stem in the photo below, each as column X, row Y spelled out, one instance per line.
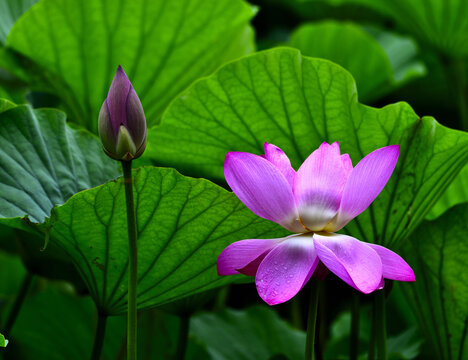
column 132, row 263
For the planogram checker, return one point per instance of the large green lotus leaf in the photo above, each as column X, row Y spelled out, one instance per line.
column 183, row 225
column 162, row 45
column 257, row 333
column 12, row 273
column 13, row 94
column 296, row 102
column 456, row 193
column 441, row 23
column 10, row 11
column 437, row 252
column 358, row 52
column 403, row 53
column 44, row 162
column 158, row 334
column 404, row 346
column 5, row 105
column 54, row 324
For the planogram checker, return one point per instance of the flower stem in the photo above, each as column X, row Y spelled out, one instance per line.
column 312, row 319
column 371, row 355
column 354, row 340
column 99, row 336
column 183, row 337
column 381, row 325
column 132, row 263
column 27, row 281
column 295, row 308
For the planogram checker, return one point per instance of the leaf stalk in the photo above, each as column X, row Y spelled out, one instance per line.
column 99, row 336
column 19, row 300
column 312, row 319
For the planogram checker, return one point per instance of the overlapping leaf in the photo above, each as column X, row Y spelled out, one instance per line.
column 296, row 102
column 183, row 225
column 261, row 332
column 56, row 325
column 456, row 193
column 359, row 53
column 44, row 162
column 437, row 252
column 162, row 45
column 10, row 11
column 442, row 24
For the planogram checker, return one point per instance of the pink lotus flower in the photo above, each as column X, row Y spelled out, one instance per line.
column 314, row 202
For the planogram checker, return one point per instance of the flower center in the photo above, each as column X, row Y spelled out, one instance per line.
column 303, row 225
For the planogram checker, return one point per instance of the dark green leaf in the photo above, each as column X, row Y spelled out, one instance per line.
column 55, row 324
column 44, row 162
column 257, row 333
column 404, row 346
column 12, row 273
column 158, row 338
column 402, row 51
column 10, row 11
column 183, row 226
column 162, row 45
column 350, row 46
column 442, row 24
column 438, row 251
column 296, row 103
column 456, row 193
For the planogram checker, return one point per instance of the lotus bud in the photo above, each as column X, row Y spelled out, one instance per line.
column 122, row 123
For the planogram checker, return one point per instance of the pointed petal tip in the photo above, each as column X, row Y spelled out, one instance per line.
column 120, row 71
column 261, row 186
column 394, row 266
column 122, row 77
column 395, row 147
column 244, row 257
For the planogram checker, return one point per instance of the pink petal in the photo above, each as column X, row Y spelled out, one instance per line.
column 262, row 188
column 240, row 254
column 318, row 187
column 117, row 99
column 394, row 267
column 278, row 158
column 286, row 269
column 381, row 284
column 352, row 260
column 347, row 164
column 364, row 184
column 335, row 146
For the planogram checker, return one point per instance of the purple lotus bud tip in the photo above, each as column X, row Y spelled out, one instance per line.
column 122, row 123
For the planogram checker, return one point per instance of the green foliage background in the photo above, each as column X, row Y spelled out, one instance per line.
column 364, row 73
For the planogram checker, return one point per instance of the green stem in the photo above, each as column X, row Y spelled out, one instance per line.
column 183, row 337
column 354, row 341
column 221, row 298
column 381, row 325
column 371, row 355
column 312, row 319
column 132, row 263
column 322, row 321
column 296, row 318
column 18, row 302
column 99, row 336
